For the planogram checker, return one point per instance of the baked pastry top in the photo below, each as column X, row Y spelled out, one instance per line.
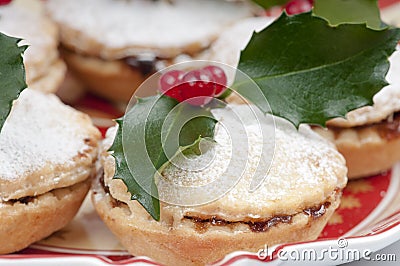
column 305, row 172
column 44, row 145
column 165, row 28
column 226, row 49
column 26, row 20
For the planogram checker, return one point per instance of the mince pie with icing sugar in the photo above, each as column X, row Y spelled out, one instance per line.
column 26, row 19
column 294, row 202
column 47, row 152
column 113, row 45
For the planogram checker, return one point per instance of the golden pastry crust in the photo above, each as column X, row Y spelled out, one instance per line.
column 185, row 245
column 25, row 223
column 44, row 145
column 50, row 83
column 366, row 150
column 113, row 80
column 26, row 20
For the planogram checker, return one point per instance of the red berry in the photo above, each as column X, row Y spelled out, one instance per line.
column 169, row 84
column 4, row 2
column 198, row 87
column 219, row 78
column 298, row 6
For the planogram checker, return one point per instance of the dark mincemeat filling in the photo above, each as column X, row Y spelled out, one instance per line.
column 256, row 226
column 262, row 226
column 317, row 211
column 103, row 184
column 146, row 66
column 390, row 130
column 202, row 225
column 24, row 200
column 114, row 202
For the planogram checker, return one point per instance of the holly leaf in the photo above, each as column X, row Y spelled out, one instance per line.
column 270, row 3
column 148, row 136
column 12, row 74
column 351, row 12
column 310, row 72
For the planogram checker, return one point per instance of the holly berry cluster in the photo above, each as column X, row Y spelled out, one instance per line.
column 196, row 87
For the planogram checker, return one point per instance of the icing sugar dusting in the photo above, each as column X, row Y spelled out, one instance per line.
column 226, row 49
column 21, row 20
column 39, row 131
column 210, row 161
column 303, row 166
column 147, row 24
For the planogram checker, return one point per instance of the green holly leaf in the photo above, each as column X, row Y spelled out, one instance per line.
column 351, row 12
column 12, row 74
column 148, row 136
column 270, row 3
column 310, row 72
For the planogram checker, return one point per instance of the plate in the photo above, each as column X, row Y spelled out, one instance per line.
column 367, row 220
